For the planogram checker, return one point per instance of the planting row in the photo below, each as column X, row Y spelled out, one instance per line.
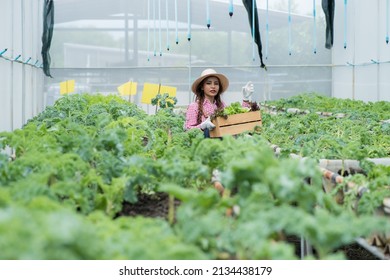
column 72, row 169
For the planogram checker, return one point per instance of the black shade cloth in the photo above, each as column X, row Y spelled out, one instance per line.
column 328, row 7
column 48, row 24
column 248, row 4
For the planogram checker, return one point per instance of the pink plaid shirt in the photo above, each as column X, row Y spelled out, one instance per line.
column 208, row 110
column 192, row 113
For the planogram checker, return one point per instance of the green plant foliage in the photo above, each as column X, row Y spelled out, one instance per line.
column 357, row 135
column 65, row 176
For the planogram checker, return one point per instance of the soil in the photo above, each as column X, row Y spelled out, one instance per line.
column 153, row 206
column 156, row 206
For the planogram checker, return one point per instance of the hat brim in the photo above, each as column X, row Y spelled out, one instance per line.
column 222, row 79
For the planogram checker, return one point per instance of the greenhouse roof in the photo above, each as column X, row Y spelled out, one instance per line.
column 67, row 11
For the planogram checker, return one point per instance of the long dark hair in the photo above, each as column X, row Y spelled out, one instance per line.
column 200, row 99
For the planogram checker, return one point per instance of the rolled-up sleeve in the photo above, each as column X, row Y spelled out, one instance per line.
column 192, row 116
column 245, row 104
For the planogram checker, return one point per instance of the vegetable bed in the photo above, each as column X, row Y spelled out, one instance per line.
column 80, row 175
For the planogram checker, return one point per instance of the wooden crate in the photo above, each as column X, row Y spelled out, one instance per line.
column 236, row 124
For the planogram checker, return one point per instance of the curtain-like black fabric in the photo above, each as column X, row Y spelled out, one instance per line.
column 48, row 24
column 248, row 4
column 328, row 7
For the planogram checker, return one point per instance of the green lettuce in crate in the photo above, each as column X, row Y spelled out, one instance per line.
column 235, row 108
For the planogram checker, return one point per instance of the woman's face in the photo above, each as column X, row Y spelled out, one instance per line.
column 210, row 87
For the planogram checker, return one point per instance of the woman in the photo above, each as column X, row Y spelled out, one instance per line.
column 208, row 89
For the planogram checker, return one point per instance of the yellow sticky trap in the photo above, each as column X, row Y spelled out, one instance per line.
column 63, row 88
column 129, row 88
column 67, row 87
column 71, row 86
column 170, row 90
column 149, row 92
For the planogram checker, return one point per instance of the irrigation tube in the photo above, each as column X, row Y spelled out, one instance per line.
column 148, row 30
column 231, row 8
column 167, row 15
column 345, row 23
column 267, row 92
column 177, row 33
column 189, row 48
column 154, row 27
column 387, row 21
column 189, row 19
column 208, row 21
column 18, row 59
column 314, row 28
column 266, row 33
column 159, row 28
column 289, row 27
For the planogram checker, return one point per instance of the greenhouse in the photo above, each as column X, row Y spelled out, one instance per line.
column 195, row 130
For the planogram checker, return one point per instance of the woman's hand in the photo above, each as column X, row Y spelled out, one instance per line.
column 207, row 124
column 247, row 91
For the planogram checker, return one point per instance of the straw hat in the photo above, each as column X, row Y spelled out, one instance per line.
column 211, row 73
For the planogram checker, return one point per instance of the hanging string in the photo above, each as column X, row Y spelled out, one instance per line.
column 208, row 21
column 167, row 15
column 253, row 30
column 231, row 8
column 387, row 21
column 289, row 27
column 314, row 28
column 154, row 27
column 267, row 33
column 159, row 28
column 345, row 24
column 189, row 20
column 177, row 32
column 148, row 30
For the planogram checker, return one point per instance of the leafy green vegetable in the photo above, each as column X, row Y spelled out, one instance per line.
column 75, row 164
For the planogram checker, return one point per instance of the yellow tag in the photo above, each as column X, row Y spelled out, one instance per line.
column 170, row 90
column 129, row 88
column 71, row 86
column 63, row 88
column 149, row 92
column 67, row 87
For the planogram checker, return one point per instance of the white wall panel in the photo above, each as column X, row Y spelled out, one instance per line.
column 5, row 67
column 384, row 78
column 22, row 83
column 366, row 49
column 366, row 41
column 384, row 54
column 27, row 13
column 343, row 81
column 366, row 83
column 366, row 44
column 17, row 75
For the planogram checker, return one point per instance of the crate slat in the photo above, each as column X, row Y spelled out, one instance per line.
column 236, row 124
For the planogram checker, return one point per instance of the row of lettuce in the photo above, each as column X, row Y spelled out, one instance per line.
column 330, row 128
column 65, row 176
